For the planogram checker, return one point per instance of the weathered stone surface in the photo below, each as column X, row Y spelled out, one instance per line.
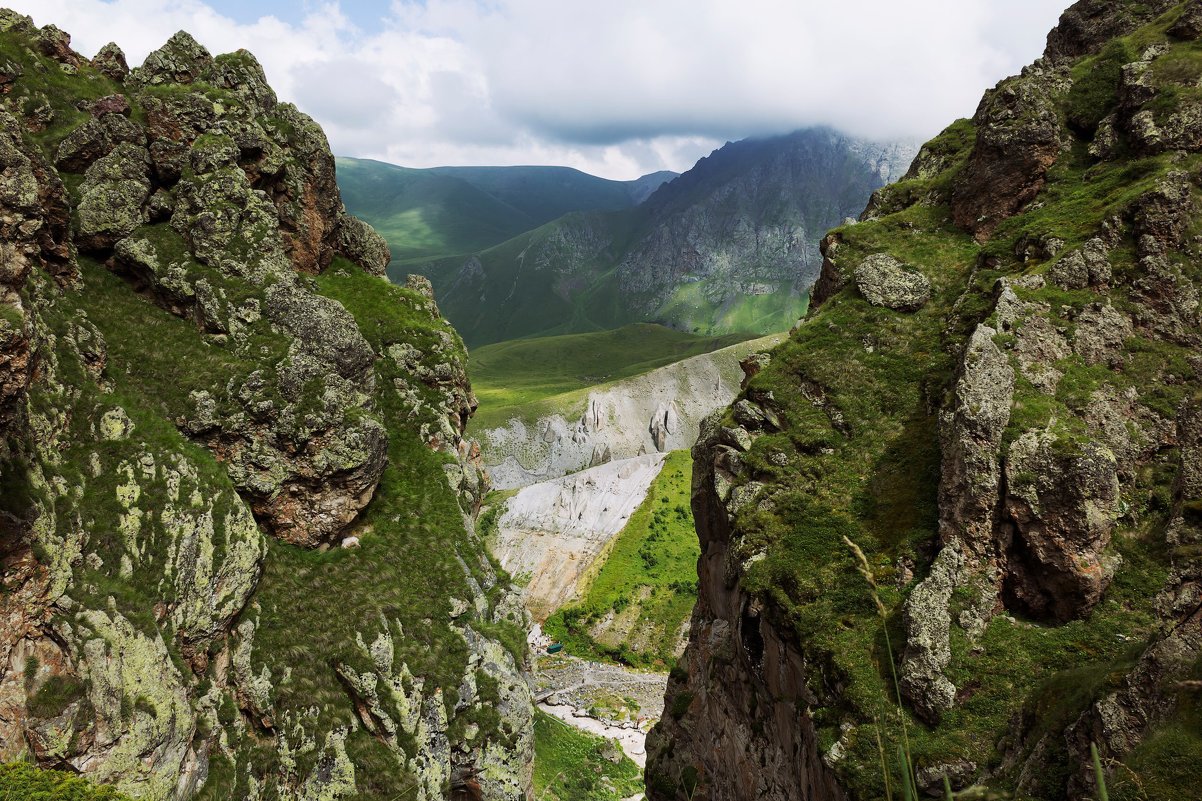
column 181, row 60
column 241, row 73
column 56, row 44
column 112, row 197
column 1099, row 335
column 970, row 432
column 1062, row 503
column 305, row 193
column 927, row 622
column 737, row 660
column 1019, row 136
column 109, row 61
column 885, row 281
column 360, row 243
column 95, row 138
column 1084, row 267
column 1089, row 24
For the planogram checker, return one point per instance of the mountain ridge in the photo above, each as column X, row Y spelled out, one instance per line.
column 727, row 246
column 449, row 211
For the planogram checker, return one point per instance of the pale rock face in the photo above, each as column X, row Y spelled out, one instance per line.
column 554, row 531
column 656, row 412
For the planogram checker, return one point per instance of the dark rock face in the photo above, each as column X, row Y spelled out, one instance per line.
column 737, row 660
column 1062, row 509
column 1019, row 137
column 1089, row 24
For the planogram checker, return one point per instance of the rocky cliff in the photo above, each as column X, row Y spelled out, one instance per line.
column 656, row 412
column 730, row 245
column 236, row 506
column 955, row 517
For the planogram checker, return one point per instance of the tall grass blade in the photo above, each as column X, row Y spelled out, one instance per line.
column 1098, row 774
column 947, row 790
column 907, row 780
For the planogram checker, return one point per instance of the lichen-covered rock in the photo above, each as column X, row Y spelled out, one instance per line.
column 168, row 402
column 181, row 60
column 971, row 434
column 928, row 637
column 1062, row 502
column 112, row 197
column 240, row 73
column 109, row 61
column 360, row 243
column 1019, row 137
column 96, row 138
column 56, row 44
column 1087, row 266
column 885, row 281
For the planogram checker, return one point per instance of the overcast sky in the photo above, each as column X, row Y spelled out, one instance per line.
column 617, row 88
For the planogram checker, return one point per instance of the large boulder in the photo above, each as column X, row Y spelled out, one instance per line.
column 360, row 243
column 885, row 281
column 112, row 197
column 1062, row 504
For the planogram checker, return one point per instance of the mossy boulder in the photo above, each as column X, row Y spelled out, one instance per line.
column 885, row 281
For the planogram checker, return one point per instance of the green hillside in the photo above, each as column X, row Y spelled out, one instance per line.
column 729, row 246
column 424, row 214
column 507, row 375
column 646, row 585
column 546, row 193
column 444, row 211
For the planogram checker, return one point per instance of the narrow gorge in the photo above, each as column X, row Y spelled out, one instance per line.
column 822, row 467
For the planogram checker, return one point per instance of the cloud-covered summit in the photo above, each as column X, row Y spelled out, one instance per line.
column 615, row 88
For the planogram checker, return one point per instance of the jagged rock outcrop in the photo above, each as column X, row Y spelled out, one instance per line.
column 1019, row 136
column 739, row 665
column 198, row 397
column 996, row 490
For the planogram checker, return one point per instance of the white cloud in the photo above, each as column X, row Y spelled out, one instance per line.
column 616, row 88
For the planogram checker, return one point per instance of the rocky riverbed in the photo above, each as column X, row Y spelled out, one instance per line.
column 604, row 700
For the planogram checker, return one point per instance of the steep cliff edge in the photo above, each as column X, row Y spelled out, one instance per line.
column 235, row 495
column 996, row 401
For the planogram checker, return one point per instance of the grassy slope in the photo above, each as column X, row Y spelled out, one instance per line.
column 520, row 280
column 878, row 483
column 21, row 782
column 424, row 214
column 648, row 580
column 546, row 193
column 514, row 374
column 443, row 211
column 571, row 765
